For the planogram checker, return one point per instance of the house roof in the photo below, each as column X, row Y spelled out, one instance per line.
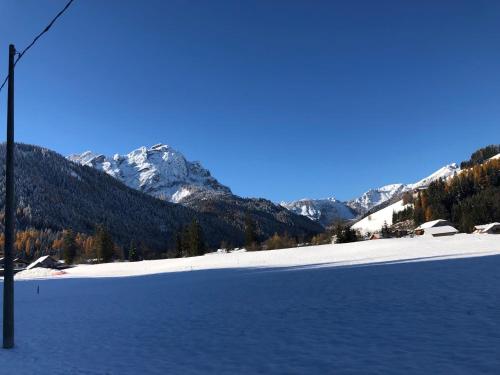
column 20, row 260
column 486, row 227
column 40, row 260
column 491, row 225
column 16, row 260
column 480, row 227
column 440, row 230
column 433, row 223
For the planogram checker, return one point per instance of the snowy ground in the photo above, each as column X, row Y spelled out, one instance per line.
column 405, row 249
column 343, row 309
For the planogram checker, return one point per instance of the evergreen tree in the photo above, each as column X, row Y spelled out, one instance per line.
column 186, row 241
column 345, row 234
column 69, row 247
column 133, row 256
column 104, row 246
column 406, row 214
column 196, row 242
column 251, row 240
column 418, row 210
column 178, row 253
column 224, row 246
column 480, row 156
column 385, row 232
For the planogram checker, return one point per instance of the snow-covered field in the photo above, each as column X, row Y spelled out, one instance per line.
column 404, row 249
column 374, row 307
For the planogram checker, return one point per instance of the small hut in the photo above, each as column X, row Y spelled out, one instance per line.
column 432, row 224
column 46, row 262
column 446, row 230
column 491, row 228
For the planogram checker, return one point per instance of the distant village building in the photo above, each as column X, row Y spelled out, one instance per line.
column 18, row 265
column 401, row 229
column 491, row 228
column 432, row 224
column 446, row 230
column 436, row 228
column 46, row 262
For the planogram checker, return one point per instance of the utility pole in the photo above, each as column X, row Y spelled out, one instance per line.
column 8, row 278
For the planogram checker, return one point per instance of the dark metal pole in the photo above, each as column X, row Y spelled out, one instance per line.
column 8, row 278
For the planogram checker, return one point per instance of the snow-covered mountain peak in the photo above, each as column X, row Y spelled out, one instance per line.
column 444, row 172
column 325, row 211
column 375, row 197
column 330, row 199
column 159, row 170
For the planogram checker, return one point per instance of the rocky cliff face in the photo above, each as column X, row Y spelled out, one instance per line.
column 159, row 171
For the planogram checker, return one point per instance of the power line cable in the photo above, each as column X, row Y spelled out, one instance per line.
column 47, row 28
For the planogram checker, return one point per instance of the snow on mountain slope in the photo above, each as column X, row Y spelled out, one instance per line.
column 324, row 211
column 160, row 171
column 444, row 173
column 374, row 197
column 375, row 221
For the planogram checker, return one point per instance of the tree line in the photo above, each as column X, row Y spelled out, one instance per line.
column 469, row 198
column 480, row 156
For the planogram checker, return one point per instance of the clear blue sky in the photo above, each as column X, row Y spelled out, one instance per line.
column 279, row 99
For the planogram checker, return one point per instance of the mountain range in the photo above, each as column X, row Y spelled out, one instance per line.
column 165, row 173
column 54, row 193
column 326, row 211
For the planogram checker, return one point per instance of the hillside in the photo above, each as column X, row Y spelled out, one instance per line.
column 268, row 217
column 469, row 197
column 54, row 193
column 165, row 173
column 375, row 221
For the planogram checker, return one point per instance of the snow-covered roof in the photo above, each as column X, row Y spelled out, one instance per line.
column 440, row 230
column 486, row 227
column 38, row 261
column 15, row 260
column 480, row 227
column 433, row 223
